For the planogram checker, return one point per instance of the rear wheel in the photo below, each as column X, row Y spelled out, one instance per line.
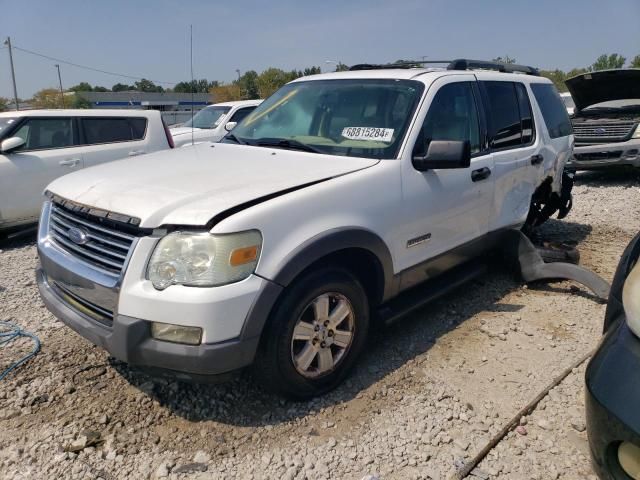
column 314, row 335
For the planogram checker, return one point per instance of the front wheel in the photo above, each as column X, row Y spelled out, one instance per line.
column 314, row 335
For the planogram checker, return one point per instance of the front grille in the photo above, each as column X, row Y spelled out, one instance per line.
column 598, row 155
column 603, row 131
column 105, row 245
column 96, row 312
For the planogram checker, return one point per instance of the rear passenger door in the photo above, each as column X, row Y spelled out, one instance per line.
column 515, row 148
column 112, row 138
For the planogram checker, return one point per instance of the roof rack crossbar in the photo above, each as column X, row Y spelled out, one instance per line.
column 466, row 64
column 406, row 64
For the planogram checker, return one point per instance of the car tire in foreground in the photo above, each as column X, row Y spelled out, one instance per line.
column 315, row 334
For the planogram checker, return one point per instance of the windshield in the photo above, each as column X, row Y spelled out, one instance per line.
column 5, row 124
column 357, row 118
column 208, row 117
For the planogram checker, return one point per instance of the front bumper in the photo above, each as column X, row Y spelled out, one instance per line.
column 612, row 399
column 590, row 157
column 129, row 339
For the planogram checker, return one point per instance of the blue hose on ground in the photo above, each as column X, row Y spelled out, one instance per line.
column 10, row 332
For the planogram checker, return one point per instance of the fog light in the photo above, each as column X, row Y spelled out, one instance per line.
column 629, row 458
column 168, row 332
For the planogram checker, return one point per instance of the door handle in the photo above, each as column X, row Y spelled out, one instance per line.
column 480, row 174
column 70, row 162
column 536, row 159
column 133, row 153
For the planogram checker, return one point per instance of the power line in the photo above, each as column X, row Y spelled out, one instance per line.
column 87, row 67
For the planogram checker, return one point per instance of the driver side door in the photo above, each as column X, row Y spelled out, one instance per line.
column 446, row 208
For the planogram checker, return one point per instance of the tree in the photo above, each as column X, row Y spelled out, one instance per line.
column 50, row 98
column 505, row 59
column 248, row 84
column 4, row 104
column 635, row 62
column 272, row 79
column 145, row 85
column 608, row 62
column 82, row 87
column 197, row 86
column 576, row 71
column 226, row 93
column 311, row 71
column 557, row 77
column 98, row 88
column 122, row 87
column 341, row 67
column 80, row 102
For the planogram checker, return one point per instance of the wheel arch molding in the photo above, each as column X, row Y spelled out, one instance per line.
column 349, row 245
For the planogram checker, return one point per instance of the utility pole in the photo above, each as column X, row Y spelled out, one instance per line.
column 13, row 73
column 239, row 86
column 60, row 80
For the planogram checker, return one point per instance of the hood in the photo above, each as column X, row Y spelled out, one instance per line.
column 597, row 87
column 189, row 186
column 182, row 130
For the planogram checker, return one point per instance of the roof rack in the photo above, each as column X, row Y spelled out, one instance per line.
column 466, row 64
column 458, row 64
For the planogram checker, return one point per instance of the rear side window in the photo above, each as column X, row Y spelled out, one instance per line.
column 526, row 117
column 46, row 133
column 241, row 113
column 504, row 113
column 553, row 109
column 110, row 130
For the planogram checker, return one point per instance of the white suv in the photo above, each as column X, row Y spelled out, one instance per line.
column 37, row 146
column 277, row 246
column 213, row 122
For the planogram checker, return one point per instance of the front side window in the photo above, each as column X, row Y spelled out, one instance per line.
column 239, row 115
column 553, row 110
column 504, row 112
column 6, row 123
column 46, row 133
column 208, row 117
column 452, row 115
column 355, row 117
column 110, row 130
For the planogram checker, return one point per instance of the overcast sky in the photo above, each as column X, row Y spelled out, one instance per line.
column 151, row 38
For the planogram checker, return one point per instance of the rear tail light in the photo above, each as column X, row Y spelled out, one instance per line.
column 168, row 134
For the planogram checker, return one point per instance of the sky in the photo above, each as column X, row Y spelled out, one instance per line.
column 151, row 38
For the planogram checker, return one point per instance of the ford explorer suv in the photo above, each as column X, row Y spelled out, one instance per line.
column 213, row 122
column 38, row 146
column 279, row 246
column 606, row 122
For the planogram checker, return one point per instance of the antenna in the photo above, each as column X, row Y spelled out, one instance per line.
column 192, row 82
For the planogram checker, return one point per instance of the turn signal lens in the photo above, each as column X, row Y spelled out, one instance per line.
column 240, row 256
column 629, row 458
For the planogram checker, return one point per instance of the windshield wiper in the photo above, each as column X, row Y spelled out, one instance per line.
column 232, row 137
column 286, row 143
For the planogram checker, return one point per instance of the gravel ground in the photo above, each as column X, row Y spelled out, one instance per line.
column 427, row 396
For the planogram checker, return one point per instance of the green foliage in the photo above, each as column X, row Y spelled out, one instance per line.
column 48, row 98
column 557, row 77
column 145, row 85
column 100, row 89
column 248, row 84
column 80, row 102
column 197, row 86
column 341, row 67
column 607, row 62
column 4, row 104
column 122, row 87
column 82, row 87
column 635, row 62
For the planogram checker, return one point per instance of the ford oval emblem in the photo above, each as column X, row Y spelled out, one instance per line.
column 78, row 235
column 600, row 131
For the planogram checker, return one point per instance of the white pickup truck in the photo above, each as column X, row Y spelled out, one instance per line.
column 276, row 247
column 38, row 146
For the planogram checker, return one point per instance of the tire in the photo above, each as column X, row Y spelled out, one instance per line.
column 280, row 361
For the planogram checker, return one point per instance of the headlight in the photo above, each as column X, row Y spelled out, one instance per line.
column 203, row 259
column 631, row 299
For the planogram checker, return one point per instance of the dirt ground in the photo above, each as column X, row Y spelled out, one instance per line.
column 429, row 393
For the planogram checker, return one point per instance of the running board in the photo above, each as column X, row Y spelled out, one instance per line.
column 430, row 290
column 524, row 256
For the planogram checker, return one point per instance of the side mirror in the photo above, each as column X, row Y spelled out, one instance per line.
column 9, row 144
column 444, row 154
column 230, row 126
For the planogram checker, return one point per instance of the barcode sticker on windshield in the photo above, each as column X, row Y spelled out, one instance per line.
column 368, row 133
